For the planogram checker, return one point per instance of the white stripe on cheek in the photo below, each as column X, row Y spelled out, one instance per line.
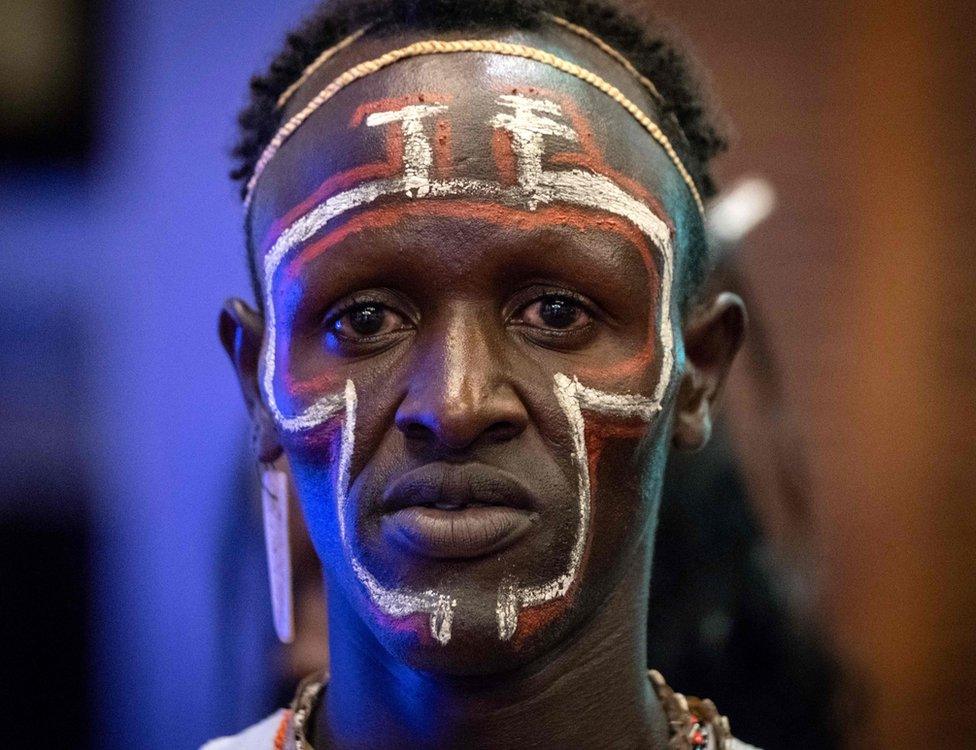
column 619, row 405
column 393, row 602
column 573, row 398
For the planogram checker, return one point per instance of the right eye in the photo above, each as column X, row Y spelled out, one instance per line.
column 365, row 319
column 363, row 323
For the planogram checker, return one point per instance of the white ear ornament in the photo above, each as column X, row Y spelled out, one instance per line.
column 274, row 502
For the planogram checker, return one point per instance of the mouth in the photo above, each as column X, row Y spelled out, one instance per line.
column 456, row 511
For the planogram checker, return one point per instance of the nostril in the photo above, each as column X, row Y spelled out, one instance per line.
column 499, row 432
column 418, row 431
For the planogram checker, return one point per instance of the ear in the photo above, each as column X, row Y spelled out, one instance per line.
column 241, row 332
column 713, row 334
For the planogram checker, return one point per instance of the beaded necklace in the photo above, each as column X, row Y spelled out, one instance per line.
column 693, row 724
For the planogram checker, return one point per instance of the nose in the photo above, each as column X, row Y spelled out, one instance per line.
column 459, row 393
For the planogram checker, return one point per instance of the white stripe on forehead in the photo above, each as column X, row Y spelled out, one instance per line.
column 417, row 153
column 489, row 46
column 529, row 130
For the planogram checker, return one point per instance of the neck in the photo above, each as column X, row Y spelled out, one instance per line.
column 592, row 689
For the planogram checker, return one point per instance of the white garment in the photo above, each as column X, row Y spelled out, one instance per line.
column 258, row 737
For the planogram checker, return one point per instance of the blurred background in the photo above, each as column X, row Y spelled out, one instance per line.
column 839, row 529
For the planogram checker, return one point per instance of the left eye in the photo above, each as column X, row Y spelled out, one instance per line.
column 365, row 320
column 555, row 312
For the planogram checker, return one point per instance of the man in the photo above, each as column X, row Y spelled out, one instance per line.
column 476, row 231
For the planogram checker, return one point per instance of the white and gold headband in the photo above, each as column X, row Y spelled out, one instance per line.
column 490, row 46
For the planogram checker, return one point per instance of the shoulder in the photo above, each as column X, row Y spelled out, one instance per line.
column 265, row 735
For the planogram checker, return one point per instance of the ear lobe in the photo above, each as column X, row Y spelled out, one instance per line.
column 712, row 336
column 241, row 332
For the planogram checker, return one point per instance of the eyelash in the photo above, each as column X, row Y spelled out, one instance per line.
column 573, row 335
column 552, row 335
column 329, row 321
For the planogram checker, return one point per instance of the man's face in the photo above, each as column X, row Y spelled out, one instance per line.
column 467, row 266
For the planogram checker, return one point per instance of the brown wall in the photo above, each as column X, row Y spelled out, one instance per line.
column 861, row 114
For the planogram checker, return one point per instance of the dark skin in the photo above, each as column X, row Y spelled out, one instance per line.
column 452, row 322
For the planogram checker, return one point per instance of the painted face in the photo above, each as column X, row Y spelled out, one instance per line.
column 467, row 268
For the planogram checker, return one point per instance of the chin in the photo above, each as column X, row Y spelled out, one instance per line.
column 474, row 649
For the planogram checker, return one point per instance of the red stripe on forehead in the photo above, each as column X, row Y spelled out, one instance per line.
column 589, row 156
column 393, row 167
column 504, row 156
column 444, row 149
column 630, row 185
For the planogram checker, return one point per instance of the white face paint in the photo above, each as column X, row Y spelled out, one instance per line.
column 530, row 123
column 418, row 156
column 529, row 132
column 393, row 602
column 573, row 398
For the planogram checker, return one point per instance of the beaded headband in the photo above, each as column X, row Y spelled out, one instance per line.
column 434, row 47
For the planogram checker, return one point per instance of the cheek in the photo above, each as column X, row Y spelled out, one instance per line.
column 640, row 360
column 313, row 456
column 618, row 514
column 302, row 373
column 611, row 447
column 615, row 440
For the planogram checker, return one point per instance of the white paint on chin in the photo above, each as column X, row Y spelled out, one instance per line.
column 573, row 399
column 393, row 602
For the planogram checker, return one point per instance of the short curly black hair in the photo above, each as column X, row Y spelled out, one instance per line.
column 651, row 49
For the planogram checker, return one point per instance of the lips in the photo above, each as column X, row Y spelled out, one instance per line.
column 456, row 511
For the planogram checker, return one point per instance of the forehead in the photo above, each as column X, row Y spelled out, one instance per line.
column 456, row 101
